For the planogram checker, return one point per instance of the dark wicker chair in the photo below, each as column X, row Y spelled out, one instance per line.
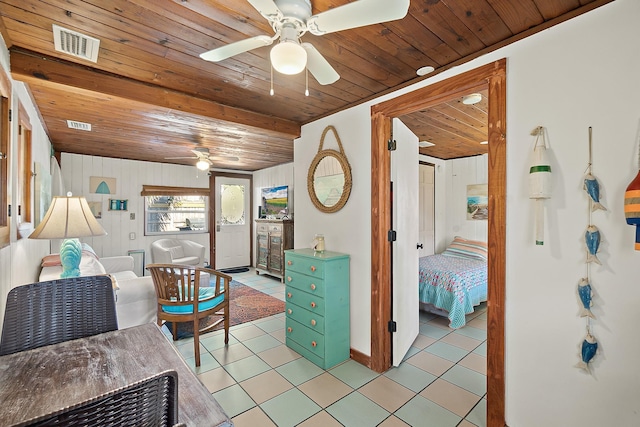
column 45, row 313
column 181, row 298
column 150, row 402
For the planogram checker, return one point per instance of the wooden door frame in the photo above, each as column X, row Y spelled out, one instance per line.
column 492, row 77
column 212, row 212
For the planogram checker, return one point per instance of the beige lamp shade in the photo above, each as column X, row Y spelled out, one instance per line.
column 68, row 217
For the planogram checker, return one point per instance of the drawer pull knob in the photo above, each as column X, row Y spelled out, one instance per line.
column 289, row 262
column 289, row 311
column 289, row 278
column 313, row 322
column 314, row 344
column 313, row 287
column 289, row 329
column 313, row 268
column 313, row 305
column 288, row 294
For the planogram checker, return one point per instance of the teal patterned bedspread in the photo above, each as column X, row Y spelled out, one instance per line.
column 453, row 284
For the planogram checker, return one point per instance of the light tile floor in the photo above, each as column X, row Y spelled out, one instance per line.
column 259, row 381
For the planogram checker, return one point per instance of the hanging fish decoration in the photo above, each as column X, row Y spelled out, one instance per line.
column 592, row 240
column 592, row 187
column 588, row 350
column 586, row 294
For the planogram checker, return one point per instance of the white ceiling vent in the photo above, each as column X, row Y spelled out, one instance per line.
column 75, row 43
column 79, row 125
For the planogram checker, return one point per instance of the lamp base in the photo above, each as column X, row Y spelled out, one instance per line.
column 70, row 254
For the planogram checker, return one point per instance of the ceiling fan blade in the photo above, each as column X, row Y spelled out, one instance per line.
column 180, row 158
column 232, row 49
column 319, row 67
column 267, row 8
column 225, row 158
column 357, row 14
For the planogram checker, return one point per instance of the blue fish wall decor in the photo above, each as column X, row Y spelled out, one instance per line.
column 592, row 241
column 586, row 294
column 592, row 187
column 587, row 352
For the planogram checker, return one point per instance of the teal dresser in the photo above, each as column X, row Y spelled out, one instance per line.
column 317, row 305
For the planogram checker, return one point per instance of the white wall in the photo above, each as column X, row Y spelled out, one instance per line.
column 566, row 78
column 20, row 261
column 451, row 180
column 130, row 176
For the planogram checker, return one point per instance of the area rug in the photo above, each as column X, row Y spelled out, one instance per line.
column 235, row 270
column 245, row 305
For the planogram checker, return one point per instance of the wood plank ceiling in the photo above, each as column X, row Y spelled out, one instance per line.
column 149, row 95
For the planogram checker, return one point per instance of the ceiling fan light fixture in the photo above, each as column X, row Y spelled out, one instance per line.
column 288, row 57
column 471, row 99
column 202, row 164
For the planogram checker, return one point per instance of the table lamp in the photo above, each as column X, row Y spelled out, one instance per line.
column 68, row 218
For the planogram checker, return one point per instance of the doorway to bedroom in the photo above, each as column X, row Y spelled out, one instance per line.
column 491, row 77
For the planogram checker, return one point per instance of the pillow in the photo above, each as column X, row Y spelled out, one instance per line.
column 51, row 260
column 88, row 250
column 176, row 252
column 463, row 248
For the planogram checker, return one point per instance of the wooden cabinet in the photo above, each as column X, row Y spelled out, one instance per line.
column 273, row 236
column 317, row 305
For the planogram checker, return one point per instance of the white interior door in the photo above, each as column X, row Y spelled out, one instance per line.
column 232, row 222
column 426, row 213
column 404, row 175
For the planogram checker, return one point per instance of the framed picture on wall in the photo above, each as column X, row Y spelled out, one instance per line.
column 96, row 209
column 102, row 185
column 477, row 202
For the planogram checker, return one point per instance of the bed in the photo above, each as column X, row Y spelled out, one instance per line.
column 454, row 281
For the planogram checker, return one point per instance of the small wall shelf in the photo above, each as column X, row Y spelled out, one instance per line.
column 117, row 205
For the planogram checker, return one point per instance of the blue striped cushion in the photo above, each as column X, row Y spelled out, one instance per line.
column 202, row 306
column 463, row 248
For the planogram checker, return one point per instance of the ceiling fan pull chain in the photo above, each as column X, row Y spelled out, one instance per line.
column 306, row 78
column 271, row 91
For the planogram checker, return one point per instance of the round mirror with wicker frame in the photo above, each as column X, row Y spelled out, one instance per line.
column 329, row 177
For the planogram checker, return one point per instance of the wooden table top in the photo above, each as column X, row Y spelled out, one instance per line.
column 41, row 381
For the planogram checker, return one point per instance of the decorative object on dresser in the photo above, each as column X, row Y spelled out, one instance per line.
column 273, row 237
column 317, row 305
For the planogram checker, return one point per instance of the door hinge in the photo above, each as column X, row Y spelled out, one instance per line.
column 9, row 210
column 10, row 114
column 391, row 235
column 392, row 326
column 391, row 145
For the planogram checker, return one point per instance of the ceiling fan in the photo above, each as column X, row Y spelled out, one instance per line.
column 291, row 19
column 205, row 159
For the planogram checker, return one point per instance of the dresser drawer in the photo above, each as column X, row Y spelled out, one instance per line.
column 307, row 338
column 275, row 228
column 310, row 319
column 312, row 285
column 313, row 303
column 309, row 266
column 262, row 228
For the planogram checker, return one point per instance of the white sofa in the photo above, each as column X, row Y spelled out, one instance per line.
column 177, row 251
column 136, row 301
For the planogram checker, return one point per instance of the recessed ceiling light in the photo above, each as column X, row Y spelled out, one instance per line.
column 484, row 142
column 425, row 144
column 474, row 98
column 422, row 71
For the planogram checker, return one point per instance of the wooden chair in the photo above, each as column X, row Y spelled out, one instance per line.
column 45, row 313
column 149, row 402
column 182, row 298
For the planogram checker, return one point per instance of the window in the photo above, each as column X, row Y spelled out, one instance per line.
column 4, row 158
column 172, row 210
